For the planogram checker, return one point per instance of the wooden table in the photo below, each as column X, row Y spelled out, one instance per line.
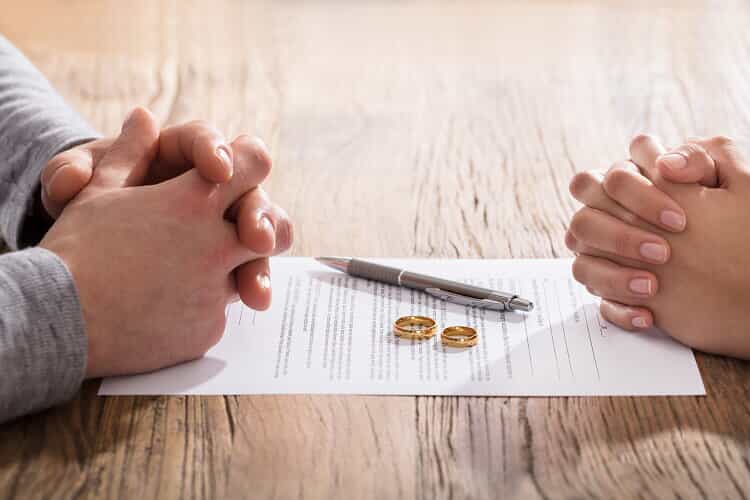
column 442, row 129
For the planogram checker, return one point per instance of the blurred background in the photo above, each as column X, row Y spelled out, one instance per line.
column 437, row 107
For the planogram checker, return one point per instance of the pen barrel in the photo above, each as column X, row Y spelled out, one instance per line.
column 390, row 275
column 423, row 282
column 451, row 291
column 372, row 271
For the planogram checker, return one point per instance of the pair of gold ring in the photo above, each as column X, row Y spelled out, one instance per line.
column 423, row 328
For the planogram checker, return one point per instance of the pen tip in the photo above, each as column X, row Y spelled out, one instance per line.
column 338, row 263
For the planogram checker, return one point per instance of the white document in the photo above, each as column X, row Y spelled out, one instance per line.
column 329, row 333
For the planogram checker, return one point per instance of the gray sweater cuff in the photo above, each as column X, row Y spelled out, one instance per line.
column 43, row 345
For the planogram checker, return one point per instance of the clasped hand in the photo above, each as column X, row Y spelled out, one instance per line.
column 160, row 231
column 663, row 240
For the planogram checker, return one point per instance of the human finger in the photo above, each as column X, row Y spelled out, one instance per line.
column 609, row 234
column 252, row 164
column 730, row 163
column 586, row 187
column 580, row 248
column 127, row 161
column 644, row 150
column 262, row 226
column 626, row 317
column 687, row 164
column 613, row 281
column 197, row 145
column 626, row 186
column 254, row 284
column 63, row 177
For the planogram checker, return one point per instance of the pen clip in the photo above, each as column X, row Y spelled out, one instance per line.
column 457, row 298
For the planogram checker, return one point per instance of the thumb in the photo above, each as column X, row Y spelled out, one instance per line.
column 64, row 177
column 688, row 164
column 731, row 166
column 127, row 160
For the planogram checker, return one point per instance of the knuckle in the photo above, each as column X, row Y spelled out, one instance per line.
column 722, row 141
column 640, row 140
column 262, row 197
column 141, row 110
column 570, row 241
column 694, row 151
column 254, row 152
column 690, row 148
column 622, row 165
column 579, row 270
column 616, row 318
column 285, row 238
column 61, row 158
column 606, row 311
column 204, row 138
column 580, row 183
column 198, row 124
column 139, row 113
column 259, row 153
column 205, row 142
column 616, row 181
column 629, row 217
column 622, row 243
column 291, row 230
column 246, row 226
column 613, row 283
column 580, row 223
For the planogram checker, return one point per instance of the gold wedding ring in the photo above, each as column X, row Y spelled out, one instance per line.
column 459, row 336
column 415, row 327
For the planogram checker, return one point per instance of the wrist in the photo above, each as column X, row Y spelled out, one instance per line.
column 65, row 250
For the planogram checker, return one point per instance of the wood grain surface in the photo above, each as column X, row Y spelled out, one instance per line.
column 441, row 129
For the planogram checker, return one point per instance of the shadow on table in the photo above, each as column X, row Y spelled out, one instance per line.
column 174, row 380
column 661, row 425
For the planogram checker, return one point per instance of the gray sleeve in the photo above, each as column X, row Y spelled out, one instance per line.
column 35, row 125
column 42, row 345
column 42, row 338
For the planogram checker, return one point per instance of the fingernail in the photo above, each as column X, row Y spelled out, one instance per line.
column 639, row 322
column 654, row 251
column 675, row 161
column 640, row 286
column 265, row 224
column 264, row 281
column 223, row 153
column 672, row 219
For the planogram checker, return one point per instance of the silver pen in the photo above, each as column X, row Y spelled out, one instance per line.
column 450, row 291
